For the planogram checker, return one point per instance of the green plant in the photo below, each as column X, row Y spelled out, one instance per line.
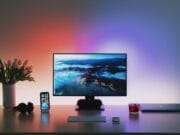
column 14, row 71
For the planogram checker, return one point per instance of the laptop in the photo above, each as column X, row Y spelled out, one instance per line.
column 160, row 107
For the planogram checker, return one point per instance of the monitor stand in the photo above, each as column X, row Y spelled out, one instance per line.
column 89, row 103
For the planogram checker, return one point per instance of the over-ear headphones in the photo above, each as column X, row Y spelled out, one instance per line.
column 23, row 108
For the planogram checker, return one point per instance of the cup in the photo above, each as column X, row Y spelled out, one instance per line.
column 134, row 108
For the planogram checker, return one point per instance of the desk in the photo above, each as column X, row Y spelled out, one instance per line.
column 56, row 121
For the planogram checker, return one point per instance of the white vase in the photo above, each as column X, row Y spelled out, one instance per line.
column 9, row 99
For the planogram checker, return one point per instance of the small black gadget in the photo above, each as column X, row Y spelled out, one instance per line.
column 44, row 99
column 23, row 108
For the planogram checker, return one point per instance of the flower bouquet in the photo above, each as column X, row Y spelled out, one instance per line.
column 10, row 73
column 14, row 71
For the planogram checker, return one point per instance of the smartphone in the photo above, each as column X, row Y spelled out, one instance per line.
column 44, row 99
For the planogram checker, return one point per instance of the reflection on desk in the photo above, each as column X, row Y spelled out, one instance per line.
column 56, row 121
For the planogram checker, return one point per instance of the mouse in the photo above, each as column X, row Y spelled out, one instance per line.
column 115, row 120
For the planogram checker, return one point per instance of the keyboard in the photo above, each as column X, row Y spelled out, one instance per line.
column 160, row 107
column 87, row 119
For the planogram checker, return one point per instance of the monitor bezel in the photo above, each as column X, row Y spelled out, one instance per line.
column 90, row 95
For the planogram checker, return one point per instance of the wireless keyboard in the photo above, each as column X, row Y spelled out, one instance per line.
column 87, row 119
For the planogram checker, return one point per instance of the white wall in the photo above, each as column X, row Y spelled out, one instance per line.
column 148, row 30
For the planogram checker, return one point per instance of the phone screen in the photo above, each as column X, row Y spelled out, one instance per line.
column 44, row 97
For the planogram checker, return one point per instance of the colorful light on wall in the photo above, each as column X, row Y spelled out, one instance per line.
column 34, row 30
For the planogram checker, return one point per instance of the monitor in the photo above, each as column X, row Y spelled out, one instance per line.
column 89, row 74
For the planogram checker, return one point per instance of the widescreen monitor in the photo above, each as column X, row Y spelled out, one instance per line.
column 94, row 74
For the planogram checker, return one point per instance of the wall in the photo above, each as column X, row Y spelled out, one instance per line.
column 148, row 30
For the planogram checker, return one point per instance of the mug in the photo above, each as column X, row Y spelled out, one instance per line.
column 134, row 108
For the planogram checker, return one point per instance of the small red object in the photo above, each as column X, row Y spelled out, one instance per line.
column 134, row 108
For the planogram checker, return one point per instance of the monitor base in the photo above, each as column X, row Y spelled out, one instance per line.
column 89, row 103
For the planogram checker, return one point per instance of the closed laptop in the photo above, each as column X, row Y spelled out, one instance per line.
column 160, row 107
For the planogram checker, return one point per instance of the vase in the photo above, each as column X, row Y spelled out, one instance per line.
column 9, row 99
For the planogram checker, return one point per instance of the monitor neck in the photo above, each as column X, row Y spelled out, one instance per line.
column 89, row 98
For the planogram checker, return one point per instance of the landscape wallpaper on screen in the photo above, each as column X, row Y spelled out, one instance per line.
column 90, row 74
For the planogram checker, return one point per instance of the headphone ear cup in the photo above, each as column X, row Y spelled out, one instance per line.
column 30, row 107
column 22, row 107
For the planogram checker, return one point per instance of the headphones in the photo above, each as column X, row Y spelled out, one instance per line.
column 23, row 108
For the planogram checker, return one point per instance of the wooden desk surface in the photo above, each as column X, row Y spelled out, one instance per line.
column 56, row 121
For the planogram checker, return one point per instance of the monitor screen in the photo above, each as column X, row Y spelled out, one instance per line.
column 89, row 74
